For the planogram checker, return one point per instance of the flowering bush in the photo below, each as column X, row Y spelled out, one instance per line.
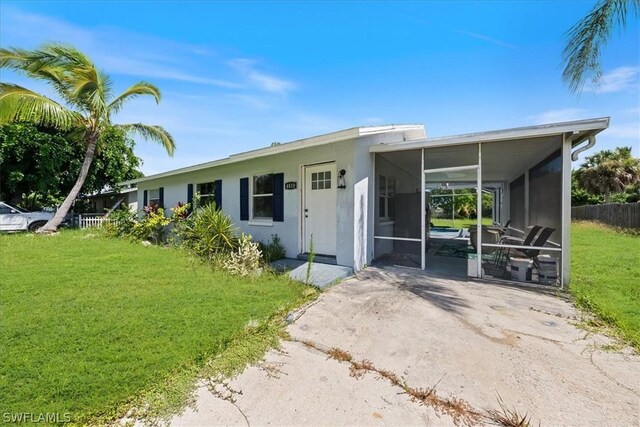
column 151, row 226
column 179, row 219
column 180, row 212
column 149, row 209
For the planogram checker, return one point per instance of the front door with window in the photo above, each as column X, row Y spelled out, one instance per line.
column 319, row 210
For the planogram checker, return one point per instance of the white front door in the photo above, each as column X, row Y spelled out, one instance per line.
column 319, row 210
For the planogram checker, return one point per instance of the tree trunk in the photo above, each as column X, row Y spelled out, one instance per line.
column 52, row 225
column 607, row 197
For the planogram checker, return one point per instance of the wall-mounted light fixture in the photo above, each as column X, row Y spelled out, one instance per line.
column 341, row 183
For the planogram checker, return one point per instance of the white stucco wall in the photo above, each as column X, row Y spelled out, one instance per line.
column 352, row 155
column 289, row 163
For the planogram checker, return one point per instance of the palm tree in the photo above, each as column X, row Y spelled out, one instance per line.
column 609, row 171
column 86, row 103
column 581, row 55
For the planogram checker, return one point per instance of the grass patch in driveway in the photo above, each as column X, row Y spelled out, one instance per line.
column 90, row 324
column 605, row 275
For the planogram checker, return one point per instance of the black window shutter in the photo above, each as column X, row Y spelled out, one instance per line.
column 145, row 198
column 161, row 196
column 189, row 193
column 217, row 193
column 278, row 197
column 244, row 199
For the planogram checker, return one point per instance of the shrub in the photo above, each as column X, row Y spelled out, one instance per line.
column 245, row 260
column 151, row 226
column 208, row 232
column 121, row 223
column 273, row 250
column 180, row 212
column 179, row 217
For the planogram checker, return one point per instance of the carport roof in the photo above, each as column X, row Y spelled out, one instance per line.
column 579, row 131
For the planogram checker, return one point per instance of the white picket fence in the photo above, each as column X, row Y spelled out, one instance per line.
column 92, row 221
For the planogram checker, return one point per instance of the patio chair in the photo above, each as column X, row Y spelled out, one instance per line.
column 490, row 234
column 502, row 255
column 499, row 229
column 502, row 228
column 540, row 241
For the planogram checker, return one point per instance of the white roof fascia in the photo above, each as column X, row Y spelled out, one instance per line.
column 314, row 141
column 111, row 192
column 537, row 131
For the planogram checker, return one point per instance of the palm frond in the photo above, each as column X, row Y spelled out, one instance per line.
column 66, row 53
column 152, row 133
column 13, row 58
column 33, row 65
column 20, row 104
column 138, row 89
column 71, row 73
column 90, row 89
column 581, row 55
column 55, row 76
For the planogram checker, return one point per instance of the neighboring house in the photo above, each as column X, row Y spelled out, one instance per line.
column 106, row 201
column 363, row 194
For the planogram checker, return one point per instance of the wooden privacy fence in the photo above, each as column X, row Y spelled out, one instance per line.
column 619, row 214
column 92, row 221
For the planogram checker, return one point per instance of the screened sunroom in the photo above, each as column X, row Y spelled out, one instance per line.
column 492, row 205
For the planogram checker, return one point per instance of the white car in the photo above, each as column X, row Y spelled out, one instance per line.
column 13, row 219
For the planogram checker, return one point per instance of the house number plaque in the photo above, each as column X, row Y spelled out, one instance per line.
column 291, row 185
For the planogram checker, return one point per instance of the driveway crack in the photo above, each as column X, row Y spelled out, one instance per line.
column 602, row 371
column 460, row 411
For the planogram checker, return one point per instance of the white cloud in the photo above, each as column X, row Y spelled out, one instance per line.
column 259, row 79
column 487, row 39
column 142, row 55
column 617, row 80
column 27, row 28
column 136, row 67
column 114, row 50
column 556, row 116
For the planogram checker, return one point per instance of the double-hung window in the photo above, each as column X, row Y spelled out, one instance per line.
column 262, row 196
column 207, row 191
column 154, row 198
column 386, row 198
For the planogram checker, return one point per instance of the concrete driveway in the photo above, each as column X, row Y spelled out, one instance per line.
column 473, row 341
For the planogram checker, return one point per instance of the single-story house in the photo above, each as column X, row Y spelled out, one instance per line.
column 109, row 199
column 369, row 194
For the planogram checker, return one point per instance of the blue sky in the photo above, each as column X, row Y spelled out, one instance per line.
column 240, row 75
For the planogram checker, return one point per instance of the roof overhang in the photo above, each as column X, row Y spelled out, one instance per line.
column 110, row 192
column 578, row 131
column 328, row 138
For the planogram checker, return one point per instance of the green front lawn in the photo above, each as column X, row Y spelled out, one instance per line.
column 89, row 323
column 605, row 275
column 459, row 223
